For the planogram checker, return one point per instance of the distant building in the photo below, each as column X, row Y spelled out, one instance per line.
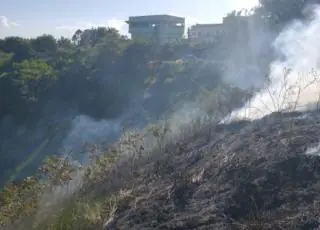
column 239, row 26
column 204, row 33
column 160, row 28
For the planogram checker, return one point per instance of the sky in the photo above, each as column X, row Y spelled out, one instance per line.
column 62, row 17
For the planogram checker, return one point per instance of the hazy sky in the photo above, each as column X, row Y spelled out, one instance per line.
column 62, row 17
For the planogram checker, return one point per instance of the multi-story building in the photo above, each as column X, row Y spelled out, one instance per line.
column 239, row 26
column 204, row 33
column 160, row 28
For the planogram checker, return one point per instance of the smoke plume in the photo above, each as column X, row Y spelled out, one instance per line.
column 87, row 130
column 293, row 80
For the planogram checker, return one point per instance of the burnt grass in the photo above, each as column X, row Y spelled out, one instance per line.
column 246, row 175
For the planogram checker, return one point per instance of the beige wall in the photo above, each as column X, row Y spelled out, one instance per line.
column 201, row 33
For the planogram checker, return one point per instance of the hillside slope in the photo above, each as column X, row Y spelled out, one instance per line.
column 247, row 176
column 243, row 175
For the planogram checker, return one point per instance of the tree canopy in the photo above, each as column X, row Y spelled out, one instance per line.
column 100, row 58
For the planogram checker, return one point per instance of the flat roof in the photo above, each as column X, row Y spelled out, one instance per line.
column 155, row 17
column 208, row 25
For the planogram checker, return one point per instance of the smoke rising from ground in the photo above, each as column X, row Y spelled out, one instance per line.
column 293, row 76
column 87, row 130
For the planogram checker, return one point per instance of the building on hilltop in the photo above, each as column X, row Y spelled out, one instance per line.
column 241, row 26
column 160, row 28
column 204, row 33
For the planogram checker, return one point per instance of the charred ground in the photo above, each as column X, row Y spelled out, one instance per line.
column 241, row 175
column 253, row 176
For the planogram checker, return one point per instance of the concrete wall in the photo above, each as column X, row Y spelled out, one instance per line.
column 204, row 33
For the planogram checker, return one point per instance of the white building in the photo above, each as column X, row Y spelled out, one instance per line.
column 204, row 33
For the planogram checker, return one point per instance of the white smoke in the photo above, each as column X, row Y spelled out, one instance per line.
column 313, row 151
column 293, row 82
column 86, row 130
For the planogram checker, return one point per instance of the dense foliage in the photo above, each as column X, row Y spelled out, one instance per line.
column 38, row 69
column 96, row 72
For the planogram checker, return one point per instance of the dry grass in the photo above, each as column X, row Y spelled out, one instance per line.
column 63, row 196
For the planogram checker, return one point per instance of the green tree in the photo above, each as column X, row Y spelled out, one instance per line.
column 44, row 44
column 77, row 37
column 20, row 47
column 34, row 77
